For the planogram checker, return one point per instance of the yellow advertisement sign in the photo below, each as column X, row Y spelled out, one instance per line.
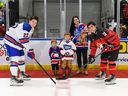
column 123, row 47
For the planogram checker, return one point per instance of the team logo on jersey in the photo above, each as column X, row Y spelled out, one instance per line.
column 67, row 47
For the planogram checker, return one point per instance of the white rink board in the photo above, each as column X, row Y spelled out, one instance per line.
column 41, row 48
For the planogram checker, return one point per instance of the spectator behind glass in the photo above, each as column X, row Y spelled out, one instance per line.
column 123, row 31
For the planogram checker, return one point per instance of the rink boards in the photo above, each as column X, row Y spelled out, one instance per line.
column 41, row 47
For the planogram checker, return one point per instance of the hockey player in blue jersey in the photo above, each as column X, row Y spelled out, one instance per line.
column 54, row 53
column 16, row 40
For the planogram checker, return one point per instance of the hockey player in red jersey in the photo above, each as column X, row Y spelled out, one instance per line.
column 109, row 41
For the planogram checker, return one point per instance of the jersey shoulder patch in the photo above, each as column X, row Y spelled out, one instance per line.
column 27, row 27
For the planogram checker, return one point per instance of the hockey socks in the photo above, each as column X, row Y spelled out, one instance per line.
column 14, row 68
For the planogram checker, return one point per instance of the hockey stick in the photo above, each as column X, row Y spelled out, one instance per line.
column 8, row 58
column 45, row 71
column 103, row 50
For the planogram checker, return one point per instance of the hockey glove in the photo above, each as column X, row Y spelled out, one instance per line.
column 67, row 54
column 91, row 59
column 31, row 54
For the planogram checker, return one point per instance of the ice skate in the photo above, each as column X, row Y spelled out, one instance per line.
column 16, row 82
column 101, row 76
column 110, row 80
column 25, row 76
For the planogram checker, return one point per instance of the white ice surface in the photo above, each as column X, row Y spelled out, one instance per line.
column 71, row 87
